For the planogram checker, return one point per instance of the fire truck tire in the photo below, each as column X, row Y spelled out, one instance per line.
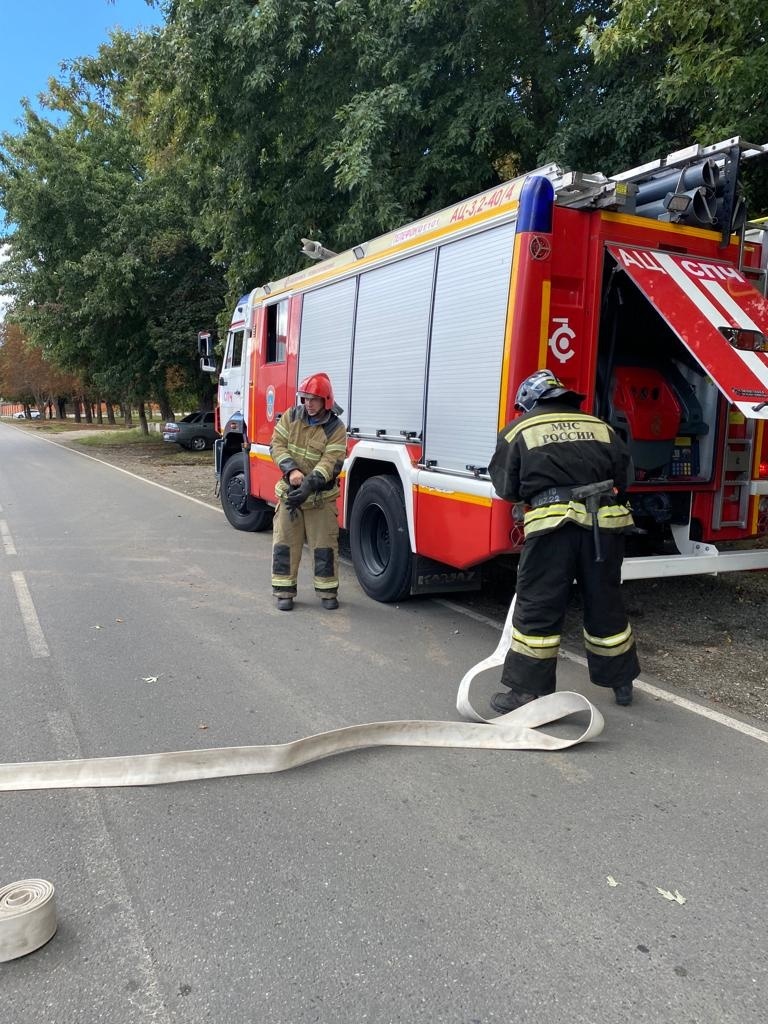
column 379, row 540
column 234, row 500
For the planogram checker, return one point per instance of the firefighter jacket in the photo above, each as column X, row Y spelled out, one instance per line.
column 318, row 448
column 555, row 447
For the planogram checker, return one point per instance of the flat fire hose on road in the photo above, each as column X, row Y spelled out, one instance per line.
column 25, row 918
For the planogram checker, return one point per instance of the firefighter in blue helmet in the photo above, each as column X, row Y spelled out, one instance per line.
column 570, row 470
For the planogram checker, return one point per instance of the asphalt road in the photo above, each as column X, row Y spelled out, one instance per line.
column 379, row 886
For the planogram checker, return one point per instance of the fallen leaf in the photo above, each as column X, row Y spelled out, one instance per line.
column 202, row 726
column 611, row 881
column 118, row 620
column 149, row 679
column 97, row 627
column 675, row 896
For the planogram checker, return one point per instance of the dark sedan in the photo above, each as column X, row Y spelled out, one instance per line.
column 195, row 431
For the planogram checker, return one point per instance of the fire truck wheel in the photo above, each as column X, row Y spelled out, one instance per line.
column 379, row 541
column 234, row 500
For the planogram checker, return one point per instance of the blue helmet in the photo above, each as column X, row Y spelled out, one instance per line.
column 544, row 386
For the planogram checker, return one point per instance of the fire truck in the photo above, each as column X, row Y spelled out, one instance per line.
column 644, row 290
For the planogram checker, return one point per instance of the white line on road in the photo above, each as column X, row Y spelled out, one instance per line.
column 29, row 616
column 107, row 884
column 135, row 476
column 5, row 533
column 649, row 688
column 654, row 691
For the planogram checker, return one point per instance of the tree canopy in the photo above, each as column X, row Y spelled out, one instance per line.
column 174, row 169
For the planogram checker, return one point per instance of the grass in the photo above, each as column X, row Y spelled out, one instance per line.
column 121, row 436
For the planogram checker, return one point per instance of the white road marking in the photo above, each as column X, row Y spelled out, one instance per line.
column 135, row 476
column 105, row 877
column 29, row 617
column 682, row 702
column 649, row 688
column 8, row 545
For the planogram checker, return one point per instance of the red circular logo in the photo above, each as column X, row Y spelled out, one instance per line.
column 539, row 247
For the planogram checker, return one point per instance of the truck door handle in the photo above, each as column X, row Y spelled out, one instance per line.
column 236, row 392
column 222, row 381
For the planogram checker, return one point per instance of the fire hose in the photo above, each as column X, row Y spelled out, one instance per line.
column 27, row 913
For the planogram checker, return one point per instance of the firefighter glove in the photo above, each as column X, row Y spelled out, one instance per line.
column 314, row 482
column 298, row 495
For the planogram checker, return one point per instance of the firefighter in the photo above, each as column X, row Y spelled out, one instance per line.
column 309, row 445
column 541, row 459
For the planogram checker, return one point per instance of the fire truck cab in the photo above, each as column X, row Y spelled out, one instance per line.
column 644, row 290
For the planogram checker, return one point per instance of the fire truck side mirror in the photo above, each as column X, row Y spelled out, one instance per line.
column 205, row 349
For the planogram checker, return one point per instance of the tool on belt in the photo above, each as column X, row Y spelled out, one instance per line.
column 591, row 494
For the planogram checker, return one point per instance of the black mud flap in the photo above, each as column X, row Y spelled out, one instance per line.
column 431, row 577
column 218, row 453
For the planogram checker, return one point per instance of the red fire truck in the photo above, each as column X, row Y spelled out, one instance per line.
column 644, row 290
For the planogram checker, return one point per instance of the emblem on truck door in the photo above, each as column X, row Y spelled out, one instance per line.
column 561, row 339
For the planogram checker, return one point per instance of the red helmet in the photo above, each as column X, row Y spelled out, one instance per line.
column 317, row 386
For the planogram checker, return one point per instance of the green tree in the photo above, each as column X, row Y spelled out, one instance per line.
column 699, row 71
column 103, row 269
column 339, row 120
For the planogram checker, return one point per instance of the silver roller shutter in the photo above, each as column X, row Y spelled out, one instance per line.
column 326, row 336
column 467, row 348
column 390, row 347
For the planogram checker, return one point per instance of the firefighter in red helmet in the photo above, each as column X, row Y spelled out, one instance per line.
column 570, row 469
column 309, row 445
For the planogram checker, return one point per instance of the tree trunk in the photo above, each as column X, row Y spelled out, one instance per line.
column 166, row 411
column 76, row 402
column 143, row 419
column 110, row 413
column 99, row 412
column 62, row 404
column 88, row 411
column 127, row 417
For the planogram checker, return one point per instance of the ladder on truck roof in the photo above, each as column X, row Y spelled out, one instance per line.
column 718, row 151
column 697, row 185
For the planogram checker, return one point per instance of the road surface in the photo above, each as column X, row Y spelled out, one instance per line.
column 394, row 885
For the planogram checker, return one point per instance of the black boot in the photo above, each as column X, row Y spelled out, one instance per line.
column 623, row 694
column 511, row 700
column 330, row 603
column 285, row 604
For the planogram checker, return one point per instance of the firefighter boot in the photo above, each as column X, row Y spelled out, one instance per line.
column 623, row 694
column 511, row 700
column 330, row 603
column 285, row 604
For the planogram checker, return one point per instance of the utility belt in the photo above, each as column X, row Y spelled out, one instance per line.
column 562, row 495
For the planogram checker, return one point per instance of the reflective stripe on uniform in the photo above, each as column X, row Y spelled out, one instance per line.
column 534, row 646
column 325, row 583
column 610, row 646
column 548, row 517
column 283, row 581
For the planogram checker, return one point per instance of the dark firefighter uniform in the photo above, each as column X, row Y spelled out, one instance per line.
column 539, row 458
column 318, row 450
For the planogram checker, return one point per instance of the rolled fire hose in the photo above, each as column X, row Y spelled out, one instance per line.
column 517, row 730
column 27, row 917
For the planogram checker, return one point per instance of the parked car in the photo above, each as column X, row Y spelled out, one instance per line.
column 35, row 415
column 195, row 431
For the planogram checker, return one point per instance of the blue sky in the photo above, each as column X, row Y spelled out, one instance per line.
column 38, row 34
